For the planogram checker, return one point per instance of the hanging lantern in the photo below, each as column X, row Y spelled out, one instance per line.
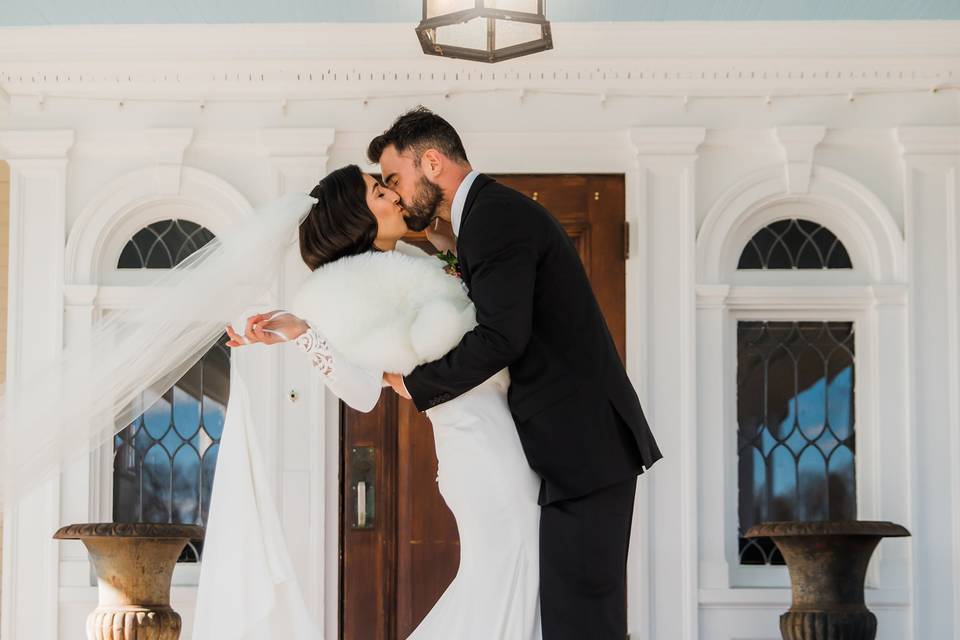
column 484, row 30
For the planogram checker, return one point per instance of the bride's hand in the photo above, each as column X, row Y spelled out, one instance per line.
column 440, row 235
column 259, row 328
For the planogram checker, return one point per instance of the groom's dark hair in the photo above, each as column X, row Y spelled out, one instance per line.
column 419, row 129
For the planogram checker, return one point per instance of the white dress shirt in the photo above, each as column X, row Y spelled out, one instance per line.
column 460, row 201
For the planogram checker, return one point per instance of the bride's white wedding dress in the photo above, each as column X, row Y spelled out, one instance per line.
column 483, row 474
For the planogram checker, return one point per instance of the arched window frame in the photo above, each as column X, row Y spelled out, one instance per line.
column 94, row 286
column 872, row 295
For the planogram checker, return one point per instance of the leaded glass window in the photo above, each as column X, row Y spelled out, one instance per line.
column 163, row 245
column 164, row 461
column 794, row 244
column 796, row 436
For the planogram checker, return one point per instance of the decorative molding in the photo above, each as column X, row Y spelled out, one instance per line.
column 814, row 299
column 850, row 210
column 920, row 140
column 244, row 62
column 798, row 144
column 35, row 145
column 298, row 157
column 890, row 295
column 712, row 296
column 132, row 201
column 667, row 141
column 166, row 147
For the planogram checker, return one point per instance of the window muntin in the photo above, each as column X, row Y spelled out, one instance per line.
column 794, row 243
column 163, row 244
column 796, row 436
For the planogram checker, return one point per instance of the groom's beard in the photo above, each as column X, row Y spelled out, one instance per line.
column 422, row 210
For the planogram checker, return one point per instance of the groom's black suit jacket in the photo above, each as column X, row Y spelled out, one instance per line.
column 578, row 416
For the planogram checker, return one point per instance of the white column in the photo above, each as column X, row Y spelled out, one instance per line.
column 38, row 164
column 931, row 159
column 666, row 158
column 305, row 446
column 714, row 440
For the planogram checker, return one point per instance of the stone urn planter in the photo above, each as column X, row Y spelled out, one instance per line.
column 134, row 565
column 827, row 563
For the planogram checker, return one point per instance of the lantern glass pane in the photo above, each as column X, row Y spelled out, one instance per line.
column 470, row 35
column 526, row 6
column 442, row 7
column 510, row 33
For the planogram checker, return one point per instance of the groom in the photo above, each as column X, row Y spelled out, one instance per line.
column 579, row 419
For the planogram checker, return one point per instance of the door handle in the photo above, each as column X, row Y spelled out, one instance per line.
column 363, row 482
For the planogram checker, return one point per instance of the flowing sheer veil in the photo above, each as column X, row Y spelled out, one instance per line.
column 97, row 386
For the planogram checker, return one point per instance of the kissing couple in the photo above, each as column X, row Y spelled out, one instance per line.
column 539, row 433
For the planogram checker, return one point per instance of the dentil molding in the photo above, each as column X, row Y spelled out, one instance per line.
column 299, row 61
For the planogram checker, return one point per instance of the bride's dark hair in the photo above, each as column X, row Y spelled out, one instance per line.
column 340, row 223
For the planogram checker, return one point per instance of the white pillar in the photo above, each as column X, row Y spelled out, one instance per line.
column 666, row 158
column 305, row 448
column 931, row 160
column 38, row 164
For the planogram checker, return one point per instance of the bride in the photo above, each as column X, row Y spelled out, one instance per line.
column 375, row 304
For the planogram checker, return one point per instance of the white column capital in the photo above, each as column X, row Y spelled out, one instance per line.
column 35, row 145
column 712, row 296
column 799, row 144
column 667, row 141
column 929, row 141
column 297, row 143
column 298, row 157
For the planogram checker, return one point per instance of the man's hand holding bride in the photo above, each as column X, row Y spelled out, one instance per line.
column 272, row 327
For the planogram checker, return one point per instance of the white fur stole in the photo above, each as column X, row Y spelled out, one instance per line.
column 387, row 311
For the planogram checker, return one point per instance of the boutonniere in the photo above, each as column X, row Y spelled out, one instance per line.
column 451, row 263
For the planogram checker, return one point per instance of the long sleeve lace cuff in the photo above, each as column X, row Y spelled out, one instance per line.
column 318, row 350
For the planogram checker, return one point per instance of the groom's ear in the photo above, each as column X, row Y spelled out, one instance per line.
column 431, row 163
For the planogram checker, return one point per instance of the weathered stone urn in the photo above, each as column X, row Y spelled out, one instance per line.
column 134, row 565
column 827, row 563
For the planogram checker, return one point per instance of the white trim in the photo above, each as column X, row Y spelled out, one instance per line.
column 38, row 162
column 851, row 211
column 354, row 41
column 726, row 295
column 135, row 200
column 798, row 145
column 666, row 160
column 931, row 159
column 35, row 145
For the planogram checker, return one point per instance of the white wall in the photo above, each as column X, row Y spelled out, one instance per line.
column 683, row 112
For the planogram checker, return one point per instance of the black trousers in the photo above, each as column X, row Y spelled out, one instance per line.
column 583, row 564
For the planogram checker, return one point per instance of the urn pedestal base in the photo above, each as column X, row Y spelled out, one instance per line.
column 820, row 625
column 134, row 565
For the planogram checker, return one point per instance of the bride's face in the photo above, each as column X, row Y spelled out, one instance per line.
column 385, row 206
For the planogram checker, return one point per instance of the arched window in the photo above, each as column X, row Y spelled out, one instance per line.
column 795, row 399
column 794, row 244
column 163, row 245
column 164, row 461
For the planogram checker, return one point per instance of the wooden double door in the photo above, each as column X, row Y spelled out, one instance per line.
column 399, row 547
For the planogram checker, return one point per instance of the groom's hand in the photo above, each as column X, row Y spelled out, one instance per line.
column 395, row 380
